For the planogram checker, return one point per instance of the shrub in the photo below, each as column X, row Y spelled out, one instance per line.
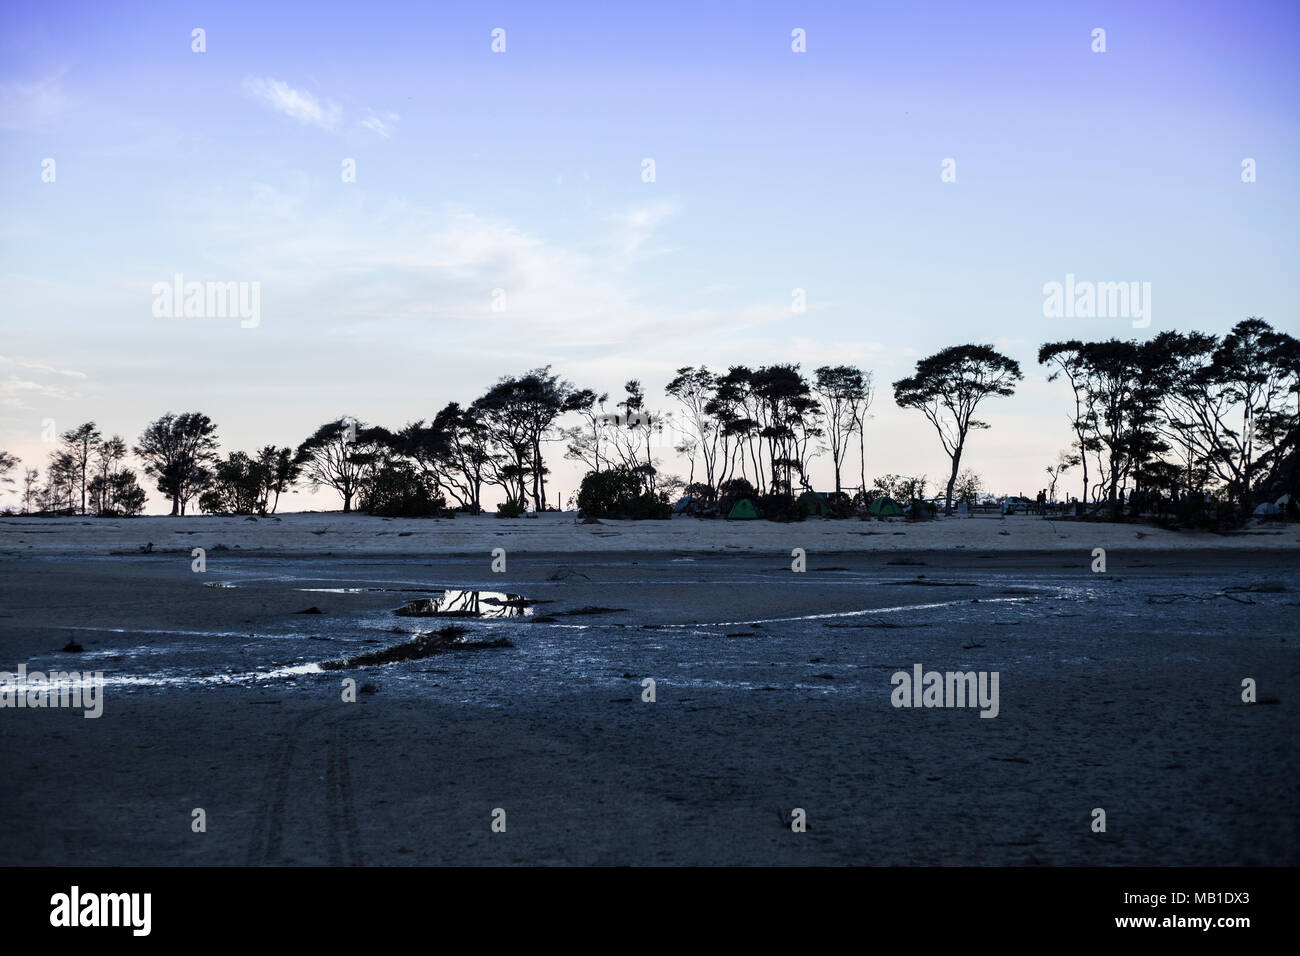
column 705, row 493
column 779, row 507
column 399, row 491
column 619, row 493
column 510, row 508
column 737, row 488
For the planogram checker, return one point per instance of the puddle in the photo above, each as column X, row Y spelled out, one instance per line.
column 477, row 604
column 370, row 590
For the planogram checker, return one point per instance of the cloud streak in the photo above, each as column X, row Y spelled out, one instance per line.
column 296, row 104
column 28, row 105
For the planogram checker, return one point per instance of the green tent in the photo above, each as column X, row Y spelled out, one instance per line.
column 812, row 503
column 744, row 508
column 885, row 507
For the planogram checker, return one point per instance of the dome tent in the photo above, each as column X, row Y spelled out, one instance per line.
column 885, row 507
column 744, row 509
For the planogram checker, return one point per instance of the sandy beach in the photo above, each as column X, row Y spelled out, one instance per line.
column 315, row 534
column 1118, row 690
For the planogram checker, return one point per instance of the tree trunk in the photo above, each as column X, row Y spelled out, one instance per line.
column 862, row 456
column 952, row 480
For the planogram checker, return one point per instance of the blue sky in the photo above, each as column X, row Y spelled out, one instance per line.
column 521, row 171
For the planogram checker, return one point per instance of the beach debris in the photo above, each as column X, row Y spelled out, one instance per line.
column 310, row 610
column 72, row 647
column 146, row 548
column 590, row 609
column 971, row 647
column 1182, row 596
column 423, row 644
column 566, row 573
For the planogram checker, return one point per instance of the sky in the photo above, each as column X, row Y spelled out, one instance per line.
column 919, row 171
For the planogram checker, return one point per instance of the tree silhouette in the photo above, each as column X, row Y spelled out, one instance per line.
column 947, row 388
column 332, row 457
column 842, row 391
column 80, row 444
column 177, row 451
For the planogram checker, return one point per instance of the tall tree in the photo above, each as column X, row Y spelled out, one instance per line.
column 1066, row 358
column 790, row 420
column 80, row 443
column 279, row 471
column 508, row 425
column 59, row 493
column 947, row 388
column 31, row 489
column 177, row 451
column 109, row 455
column 587, row 442
column 1228, row 403
column 841, row 389
column 335, row 457
column 7, row 463
column 695, row 389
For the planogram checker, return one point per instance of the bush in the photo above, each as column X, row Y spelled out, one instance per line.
column 399, row 491
column 619, row 493
column 511, row 508
column 648, row 506
column 841, row 505
column 737, row 488
column 921, row 510
column 705, row 493
column 779, row 507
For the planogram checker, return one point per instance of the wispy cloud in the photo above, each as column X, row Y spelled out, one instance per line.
column 382, row 123
column 296, row 104
column 37, row 367
column 26, row 105
column 635, row 225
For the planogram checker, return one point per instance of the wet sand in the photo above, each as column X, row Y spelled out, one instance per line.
column 1118, row 690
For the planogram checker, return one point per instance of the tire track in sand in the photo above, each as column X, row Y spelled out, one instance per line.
column 288, row 784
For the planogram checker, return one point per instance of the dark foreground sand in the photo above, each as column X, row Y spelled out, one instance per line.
column 1119, row 691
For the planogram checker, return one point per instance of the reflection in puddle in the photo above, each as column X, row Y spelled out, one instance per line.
column 468, row 604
